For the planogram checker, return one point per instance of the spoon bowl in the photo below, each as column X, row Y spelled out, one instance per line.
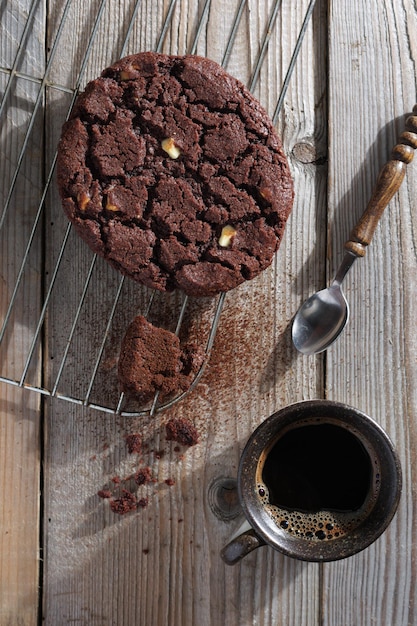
column 320, row 320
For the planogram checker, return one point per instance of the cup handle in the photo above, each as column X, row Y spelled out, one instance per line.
column 241, row 545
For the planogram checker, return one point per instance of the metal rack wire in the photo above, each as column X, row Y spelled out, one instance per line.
column 30, row 374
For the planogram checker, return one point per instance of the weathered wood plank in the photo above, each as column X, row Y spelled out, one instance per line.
column 19, row 411
column 371, row 88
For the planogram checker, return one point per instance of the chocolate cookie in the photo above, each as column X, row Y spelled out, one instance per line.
column 172, row 171
column 152, row 359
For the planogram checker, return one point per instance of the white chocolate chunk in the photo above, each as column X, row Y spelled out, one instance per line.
column 170, row 148
column 226, row 236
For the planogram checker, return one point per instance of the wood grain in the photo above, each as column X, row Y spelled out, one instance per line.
column 20, row 448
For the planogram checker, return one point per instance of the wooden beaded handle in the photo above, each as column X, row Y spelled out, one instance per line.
column 388, row 183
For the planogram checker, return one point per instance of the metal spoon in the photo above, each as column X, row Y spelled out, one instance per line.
column 323, row 316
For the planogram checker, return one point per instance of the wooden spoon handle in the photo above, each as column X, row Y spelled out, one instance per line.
column 388, row 183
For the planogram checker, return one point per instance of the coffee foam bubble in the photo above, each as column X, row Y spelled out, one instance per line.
column 316, row 525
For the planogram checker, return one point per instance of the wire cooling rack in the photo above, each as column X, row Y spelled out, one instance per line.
column 31, row 212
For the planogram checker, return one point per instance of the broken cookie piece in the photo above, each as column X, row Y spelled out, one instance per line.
column 153, row 360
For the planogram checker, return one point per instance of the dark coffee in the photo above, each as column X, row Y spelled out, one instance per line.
column 316, row 480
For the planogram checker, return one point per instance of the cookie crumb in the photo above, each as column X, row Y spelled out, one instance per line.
column 181, row 431
column 125, row 503
column 143, row 476
column 134, row 443
column 104, row 493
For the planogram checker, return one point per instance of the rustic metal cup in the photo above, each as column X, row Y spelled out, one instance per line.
column 382, row 498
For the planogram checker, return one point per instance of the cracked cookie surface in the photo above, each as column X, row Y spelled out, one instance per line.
column 160, row 154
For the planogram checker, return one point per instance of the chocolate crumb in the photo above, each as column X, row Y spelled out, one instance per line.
column 134, row 443
column 125, row 503
column 143, row 475
column 181, row 431
column 104, row 493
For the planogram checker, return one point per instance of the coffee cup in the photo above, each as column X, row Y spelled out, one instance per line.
column 317, row 481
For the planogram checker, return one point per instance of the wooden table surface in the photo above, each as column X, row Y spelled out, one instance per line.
column 65, row 557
